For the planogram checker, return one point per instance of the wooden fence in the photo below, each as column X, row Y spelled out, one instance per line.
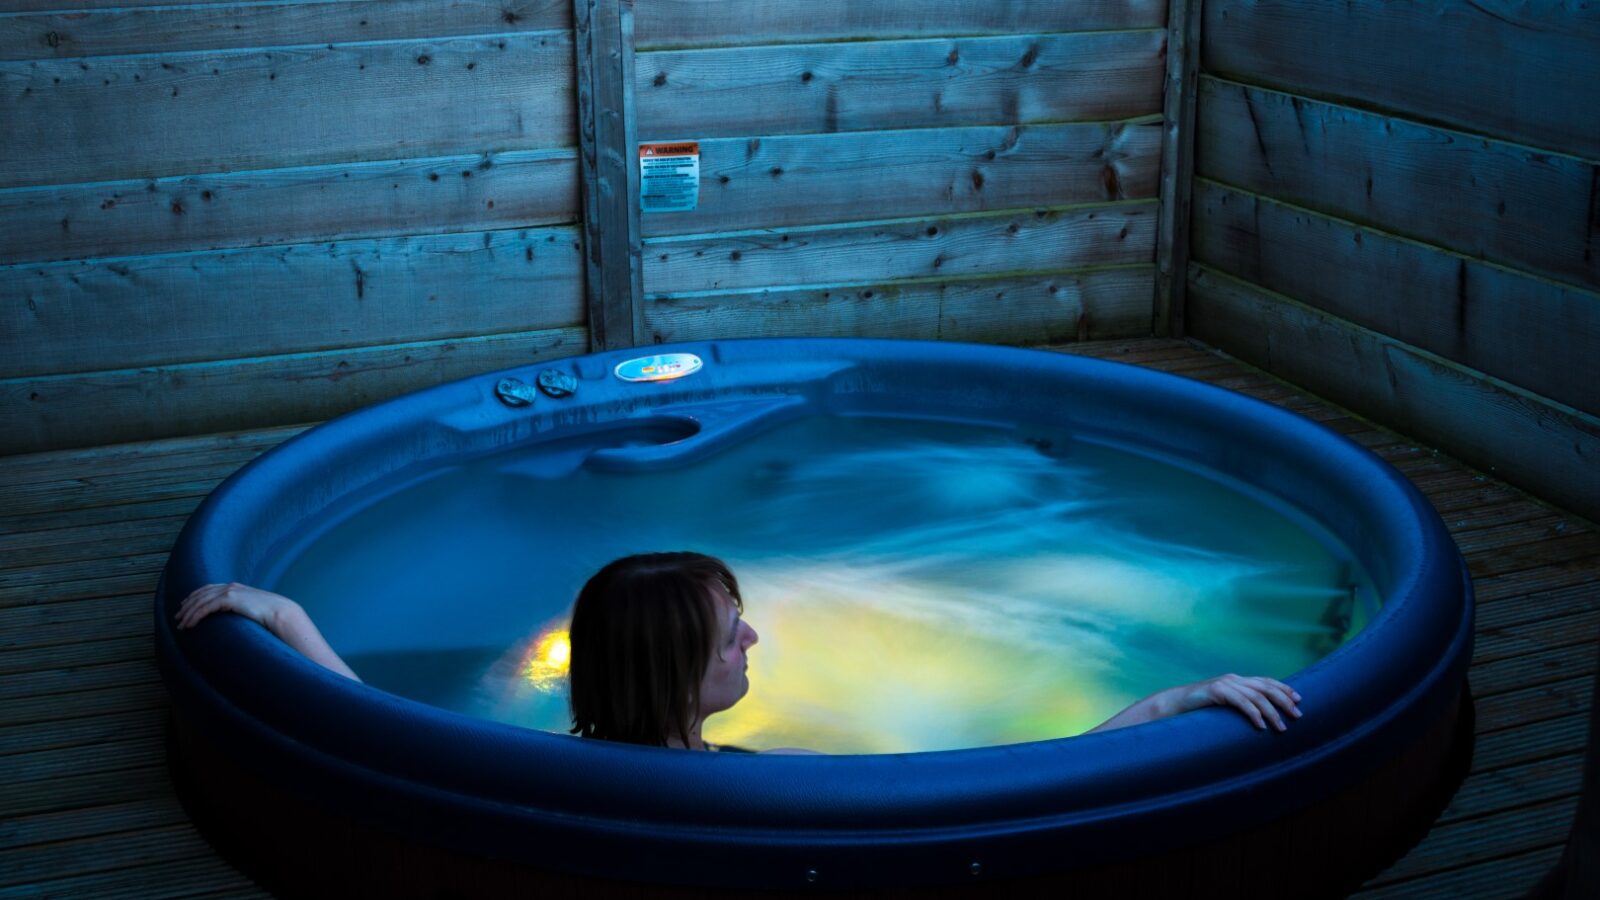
column 227, row 215
column 218, row 216
column 1397, row 206
column 981, row 172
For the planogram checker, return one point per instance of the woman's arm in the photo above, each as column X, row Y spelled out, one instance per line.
column 275, row 612
column 1257, row 699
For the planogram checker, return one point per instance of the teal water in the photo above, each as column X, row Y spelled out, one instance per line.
column 916, row 586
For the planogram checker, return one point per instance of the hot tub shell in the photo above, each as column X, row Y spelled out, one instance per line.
column 317, row 784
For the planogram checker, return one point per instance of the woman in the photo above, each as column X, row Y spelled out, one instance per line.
column 659, row 645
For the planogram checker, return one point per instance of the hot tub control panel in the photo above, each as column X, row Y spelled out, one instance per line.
column 665, row 367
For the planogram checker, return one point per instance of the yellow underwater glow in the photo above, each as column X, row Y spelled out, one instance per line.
column 848, row 664
column 545, row 664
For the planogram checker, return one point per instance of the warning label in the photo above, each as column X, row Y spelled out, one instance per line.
column 669, row 176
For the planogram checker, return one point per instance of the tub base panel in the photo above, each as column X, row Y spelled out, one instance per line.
column 296, row 847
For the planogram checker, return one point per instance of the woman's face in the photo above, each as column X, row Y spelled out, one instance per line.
column 726, row 679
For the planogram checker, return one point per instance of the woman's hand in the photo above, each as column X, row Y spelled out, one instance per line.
column 1261, row 700
column 262, row 607
column 274, row 612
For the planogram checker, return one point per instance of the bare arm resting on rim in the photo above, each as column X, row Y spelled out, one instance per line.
column 1261, row 700
column 274, row 612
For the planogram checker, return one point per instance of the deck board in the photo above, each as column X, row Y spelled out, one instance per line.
column 87, row 809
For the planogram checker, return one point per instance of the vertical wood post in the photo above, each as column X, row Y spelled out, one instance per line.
column 1177, row 164
column 608, row 142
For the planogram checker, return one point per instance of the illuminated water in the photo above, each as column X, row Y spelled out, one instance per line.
column 916, row 586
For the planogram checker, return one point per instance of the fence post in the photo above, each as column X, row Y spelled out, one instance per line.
column 1177, row 165
column 608, row 142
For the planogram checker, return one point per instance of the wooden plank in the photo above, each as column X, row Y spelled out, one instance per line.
column 787, row 180
column 76, row 791
column 481, row 192
column 1522, row 608
column 1540, row 633
column 70, row 469
column 16, row 622
column 1009, row 243
column 75, row 317
column 46, row 643
column 25, row 467
column 608, row 138
column 80, row 823
column 1572, row 548
column 1504, row 878
column 1510, row 746
column 141, row 695
column 1488, row 793
column 89, row 542
column 1151, row 352
column 84, row 651
column 1177, row 165
column 1535, row 704
column 192, row 878
column 1531, row 332
column 664, row 23
column 151, row 403
column 1496, row 515
column 34, row 737
column 1555, row 655
column 40, row 584
column 45, row 5
column 113, row 756
column 1489, row 538
column 44, row 496
column 101, row 853
column 77, row 678
column 1531, row 64
column 123, row 27
column 1464, row 492
column 860, row 86
column 1544, row 578
column 1481, row 198
column 1477, row 840
column 154, row 115
column 174, row 502
column 1525, row 440
column 1085, row 305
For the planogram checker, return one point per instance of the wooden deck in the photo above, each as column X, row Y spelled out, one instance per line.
column 86, row 807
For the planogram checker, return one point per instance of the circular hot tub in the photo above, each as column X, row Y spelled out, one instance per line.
column 317, row 785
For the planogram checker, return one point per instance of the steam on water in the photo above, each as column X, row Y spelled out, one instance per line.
column 916, row 586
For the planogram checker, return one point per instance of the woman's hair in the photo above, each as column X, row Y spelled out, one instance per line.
column 642, row 634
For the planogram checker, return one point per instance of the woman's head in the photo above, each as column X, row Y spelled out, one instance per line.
column 657, row 645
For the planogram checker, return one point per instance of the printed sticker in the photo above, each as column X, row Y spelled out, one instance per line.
column 669, row 176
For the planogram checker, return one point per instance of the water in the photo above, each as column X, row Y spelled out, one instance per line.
column 916, row 586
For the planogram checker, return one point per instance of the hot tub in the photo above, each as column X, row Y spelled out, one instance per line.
column 315, row 784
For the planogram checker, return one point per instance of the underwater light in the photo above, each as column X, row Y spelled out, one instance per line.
column 545, row 666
